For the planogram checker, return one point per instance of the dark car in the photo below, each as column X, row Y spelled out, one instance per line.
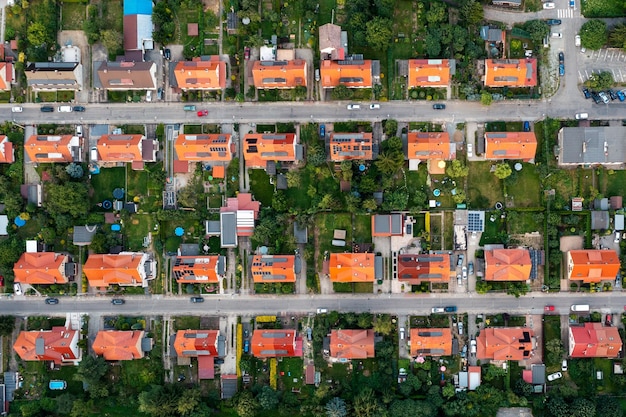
column 218, row 361
column 160, row 93
column 79, row 108
column 553, row 22
column 1, row 281
column 561, row 57
column 167, row 54
column 322, row 131
column 561, row 69
column 450, row 309
column 197, row 300
column 117, row 301
column 526, row 126
column 439, row 106
column 587, row 93
column 612, row 94
column 52, row 301
column 47, row 109
column 596, row 97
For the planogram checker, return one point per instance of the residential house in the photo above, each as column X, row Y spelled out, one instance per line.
column 431, row 342
column 415, row 269
column 352, row 267
column 7, row 75
column 505, row 343
column 592, row 266
column 331, row 46
column 261, row 148
column 199, row 269
column 207, row 148
column 429, row 73
column 507, row 265
column 196, row 343
column 44, row 268
column 273, row 268
column 275, row 343
column 510, row 145
column 114, row 345
column 584, row 146
column 59, row 345
column 346, row 345
column 138, row 25
column 133, row 149
column 7, row 152
column 126, row 269
column 280, row 74
column 350, row 73
column 511, row 72
column 237, row 219
column 53, row 149
column 125, row 75
column 52, row 76
column 204, row 73
column 432, row 147
column 594, row 340
column 387, row 225
column 351, row 146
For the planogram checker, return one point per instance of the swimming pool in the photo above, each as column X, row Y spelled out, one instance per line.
column 57, row 385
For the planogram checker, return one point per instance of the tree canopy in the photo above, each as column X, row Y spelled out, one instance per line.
column 593, row 34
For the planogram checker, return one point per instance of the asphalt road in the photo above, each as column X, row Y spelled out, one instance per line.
column 392, row 304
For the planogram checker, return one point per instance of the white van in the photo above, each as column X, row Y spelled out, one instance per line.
column 93, row 154
column 17, row 109
column 64, row 109
column 582, row 116
column 322, row 310
column 580, row 308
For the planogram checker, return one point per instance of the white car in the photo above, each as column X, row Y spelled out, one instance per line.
column 374, row 106
column 473, row 346
column 354, row 107
column 555, row 376
column 470, row 150
column 558, row 35
column 582, row 116
column 604, row 97
column 17, row 288
column 564, row 365
column 577, row 40
column 548, row 5
column 437, row 310
column 618, row 235
column 17, row 109
column 464, row 270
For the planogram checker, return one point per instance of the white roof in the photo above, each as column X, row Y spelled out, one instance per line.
column 4, row 223
column 31, row 246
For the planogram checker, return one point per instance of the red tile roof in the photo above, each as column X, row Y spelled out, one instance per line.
column 357, row 74
column 124, row 148
column 201, row 74
column 429, row 73
column 352, row 344
column 196, row 269
column 6, row 75
column 41, row 268
column 351, row 267
column 41, row 148
column 259, row 148
column 127, row 75
column 204, row 147
column 431, row 342
column 273, row 268
column 510, row 145
column 511, row 72
column 117, row 345
column 273, row 343
column 592, row 266
column 418, row 268
column 507, row 265
column 505, row 343
column 593, row 340
column 351, row 146
column 125, row 269
column 7, row 152
column 59, row 345
column 429, row 146
column 193, row 343
column 279, row 74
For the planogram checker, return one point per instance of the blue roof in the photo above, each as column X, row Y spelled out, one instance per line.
column 137, row 7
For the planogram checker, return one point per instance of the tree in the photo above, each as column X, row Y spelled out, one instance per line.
column 582, row 407
column 366, row 404
column 391, row 127
column 395, row 200
column 555, row 351
column 246, row 405
column 7, row 324
column 74, row 170
column 538, row 30
column 336, row 407
column 608, row 406
column 91, row 25
column 10, row 251
column 316, row 155
column 36, row 34
column 486, row 98
column 379, row 32
column 558, row 407
column 456, row 169
column 189, row 401
column 364, row 320
column 523, row 388
column 91, row 369
column 593, row 34
column 160, row 400
column 432, row 42
column 502, row 171
column 267, row 398
column 472, row 12
column 600, row 81
column 111, row 39
column 617, row 36
column 388, row 163
column 71, row 198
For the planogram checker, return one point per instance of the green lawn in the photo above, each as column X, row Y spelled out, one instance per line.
column 612, row 182
column 520, row 222
column 484, row 189
column 363, row 228
column 292, row 369
column 326, row 223
column 105, row 182
column 186, row 322
column 523, row 187
column 139, row 227
column 260, row 186
column 494, row 230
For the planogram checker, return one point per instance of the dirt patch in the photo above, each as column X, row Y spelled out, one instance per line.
column 531, row 240
column 213, row 5
column 571, row 243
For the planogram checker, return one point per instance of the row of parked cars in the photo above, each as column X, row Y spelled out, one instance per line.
column 604, row 96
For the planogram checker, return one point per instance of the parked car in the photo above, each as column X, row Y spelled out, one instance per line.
column 604, row 97
column 374, row 106
column 167, row 54
column 189, row 107
column 526, row 126
column 64, row 109
column 1, row 281
column 322, row 310
column 160, row 93
column 354, row 106
column 548, row 308
column 621, row 96
column 17, row 288
column 608, row 321
column 402, row 333
column 47, row 109
column 572, row 3
column 202, row 113
column 582, row 116
column 439, row 106
column 612, row 94
column 218, row 361
column 197, row 300
column 555, row 376
column 561, row 57
column 596, row 97
column 246, row 333
column 117, row 301
column 322, row 131
column 450, row 309
column 561, row 69
column 470, row 150
column 587, row 93
column 52, row 301
column 17, row 109
column 464, row 272
column 618, row 235
column 473, row 346
column 79, row 108
column 435, row 310
column 460, row 261
column 548, row 5
column 557, row 35
column 577, row 40
column 246, row 53
column 246, row 346
column 553, row 22
column 459, row 280
column 470, row 268
column 564, row 365
column 317, row 74
column 460, row 327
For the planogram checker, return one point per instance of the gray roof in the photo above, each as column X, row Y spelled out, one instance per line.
column 619, row 222
column 146, row 344
column 84, row 234
column 388, row 224
column 592, row 145
column 601, row 204
column 281, row 182
column 599, row 220
column 189, row 249
column 221, row 265
column 300, row 234
column 213, row 227
column 378, row 267
column 228, row 223
column 538, row 374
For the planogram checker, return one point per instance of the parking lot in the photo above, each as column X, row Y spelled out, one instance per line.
column 610, row 59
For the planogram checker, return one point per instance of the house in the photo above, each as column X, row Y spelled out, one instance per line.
column 273, row 268
column 125, row 75
column 417, row 268
column 199, row 269
column 592, row 266
column 237, row 219
column 208, row 148
column 59, row 345
column 432, row 147
column 352, row 267
column 433, row 73
column 505, row 343
column 583, row 146
column 52, row 148
column 594, row 340
column 386, row 225
column 7, row 151
column 44, row 268
column 46, row 76
column 346, row 345
column 207, row 73
column 511, row 72
column 261, row 148
column 138, row 25
column 280, row 74
column 7, row 75
column 599, row 220
column 351, row 146
column 470, row 379
column 355, row 73
column 116, row 345
column 196, row 343
column 510, row 145
column 275, row 343
column 507, row 265
column 134, row 149
column 126, row 269
column 331, row 46
column 431, row 342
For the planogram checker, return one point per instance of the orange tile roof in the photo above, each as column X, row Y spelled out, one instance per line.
column 6, row 75
column 593, row 340
column 418, row 268
column 507, row 265
column 201, row 75
column 351, row 267
column 126, row 269
column 117, row 345
column 59, row 345
column 204, row 148
column 352, row 344
column 41, row 148
column 279, row 74
column 273, row 268
column 194, row 343
column 196, row 269
column 120, row 148
column 357, row 74
column 511, row 72
column 273, row 343
column 592, row 266
column 7, row 152
column 429, row 73
column 351, row 146
column 41, row 268
column 504, row 343
column 510, row 145
column 259, row 148
column 429, row 146
column 219, row 171
column 431, row 342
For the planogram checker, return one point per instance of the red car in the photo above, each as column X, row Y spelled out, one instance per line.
column 246, row 53
column 548, row 308
column 1, row 281
column 203, row 113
